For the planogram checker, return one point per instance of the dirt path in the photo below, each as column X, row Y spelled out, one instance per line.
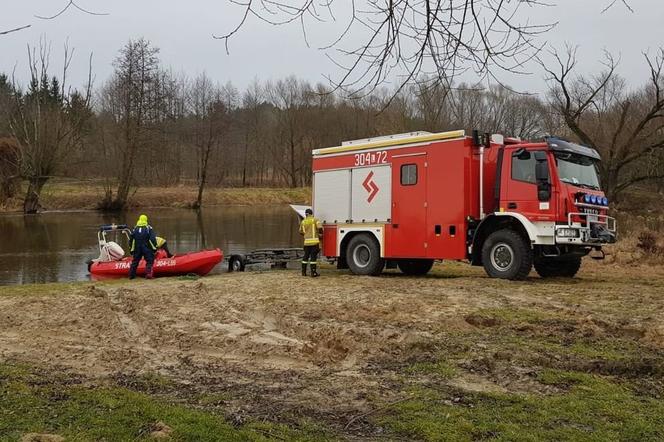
column 306, row 346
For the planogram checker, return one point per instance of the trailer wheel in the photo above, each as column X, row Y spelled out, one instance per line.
column 507, row 255
column 551, row 268
column 363, row 256
column 235, row 263
column 415, row 267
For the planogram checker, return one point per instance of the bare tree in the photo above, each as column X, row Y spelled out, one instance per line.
column 290, row 96
column 47, row 121
column 132, row 97
column 433, row 104
column 9, row 168
column 626, row 127
column 209, row 114
column 253, row 127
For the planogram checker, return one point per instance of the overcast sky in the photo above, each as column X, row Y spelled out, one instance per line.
column 183, row 31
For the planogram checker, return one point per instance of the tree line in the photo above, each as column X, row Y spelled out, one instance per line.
column 149, row 126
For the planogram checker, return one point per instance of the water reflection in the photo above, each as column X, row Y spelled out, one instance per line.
column 55, row 246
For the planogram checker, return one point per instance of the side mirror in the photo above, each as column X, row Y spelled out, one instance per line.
column 476, row 138
column 542, row 176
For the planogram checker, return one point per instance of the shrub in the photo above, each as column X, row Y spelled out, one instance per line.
column 647, row 242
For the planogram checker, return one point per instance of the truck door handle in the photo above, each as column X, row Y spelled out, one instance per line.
column 511, row 205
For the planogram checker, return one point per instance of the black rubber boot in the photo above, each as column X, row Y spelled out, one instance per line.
column 314, row 273
column 304, row 270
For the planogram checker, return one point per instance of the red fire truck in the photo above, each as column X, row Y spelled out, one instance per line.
column 407, row 200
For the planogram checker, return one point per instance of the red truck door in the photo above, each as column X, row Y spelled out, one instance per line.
column 409, row 206
column 521, row 195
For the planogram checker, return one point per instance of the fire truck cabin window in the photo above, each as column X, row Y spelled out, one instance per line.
column 409, row 174
column 523, row 167
column 578, row 170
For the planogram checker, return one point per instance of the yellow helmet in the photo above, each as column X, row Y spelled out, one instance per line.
column 142, row 221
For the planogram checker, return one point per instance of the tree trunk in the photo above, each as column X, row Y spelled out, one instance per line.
column 203, row 176
column 610, row 185
column 244, row 163
column 126, row 175
column 293, row 176
column 31, row 201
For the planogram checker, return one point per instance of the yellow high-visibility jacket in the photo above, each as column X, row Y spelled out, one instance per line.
column 309, row 227
column 160, row 241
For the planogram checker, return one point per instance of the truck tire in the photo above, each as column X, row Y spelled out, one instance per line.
column 363, row 256
column 551, row 268
column 507, row 255
column 415, row 267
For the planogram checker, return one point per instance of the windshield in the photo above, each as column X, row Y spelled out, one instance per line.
column 578, row 170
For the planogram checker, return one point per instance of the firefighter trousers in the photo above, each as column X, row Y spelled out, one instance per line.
column 310, row 257
column 141, row 251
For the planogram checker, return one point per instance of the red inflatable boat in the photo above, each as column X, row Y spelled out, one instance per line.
column 111, row 264
column 198, row 263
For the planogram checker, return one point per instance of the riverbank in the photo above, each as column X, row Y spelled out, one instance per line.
column 68, row 195
column 272, row 355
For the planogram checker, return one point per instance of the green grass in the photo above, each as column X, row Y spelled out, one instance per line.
column 593, row 409
column 440, row 368
column 32, row 401
column 580, row 387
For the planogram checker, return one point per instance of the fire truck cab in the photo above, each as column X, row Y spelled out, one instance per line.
column 407, row 200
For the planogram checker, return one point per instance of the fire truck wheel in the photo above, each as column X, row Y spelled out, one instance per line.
column 363, row 256
column 507, row 255
column 415, row 267
column 551, row 268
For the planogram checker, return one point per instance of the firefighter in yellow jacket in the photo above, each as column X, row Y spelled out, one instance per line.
column 311, row 229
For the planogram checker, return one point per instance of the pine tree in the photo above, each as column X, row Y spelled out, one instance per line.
column 54, row 93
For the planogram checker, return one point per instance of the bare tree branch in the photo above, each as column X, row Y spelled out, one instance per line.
column 406, row 39
column 14, row 30
column 614, row 2
column 70, row 4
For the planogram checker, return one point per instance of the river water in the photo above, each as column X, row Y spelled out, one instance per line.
column 55, row 246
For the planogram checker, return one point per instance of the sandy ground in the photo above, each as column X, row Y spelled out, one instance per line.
column 276, row 343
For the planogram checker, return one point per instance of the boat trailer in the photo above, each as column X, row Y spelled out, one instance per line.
column 265, row 258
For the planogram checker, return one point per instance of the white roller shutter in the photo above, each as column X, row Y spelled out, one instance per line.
column 332, row 196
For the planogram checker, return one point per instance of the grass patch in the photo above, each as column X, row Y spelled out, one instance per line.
column 517, row 315
column 439, row 368
column 31, row 401
column 40, row 289
column 86, row 195
column 212, row 399
column 57, row 288
column 594, row 409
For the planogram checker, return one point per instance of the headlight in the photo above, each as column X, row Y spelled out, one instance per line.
column 568, row 233
column 586, row 198
column 593, row 199
column 605, row 201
